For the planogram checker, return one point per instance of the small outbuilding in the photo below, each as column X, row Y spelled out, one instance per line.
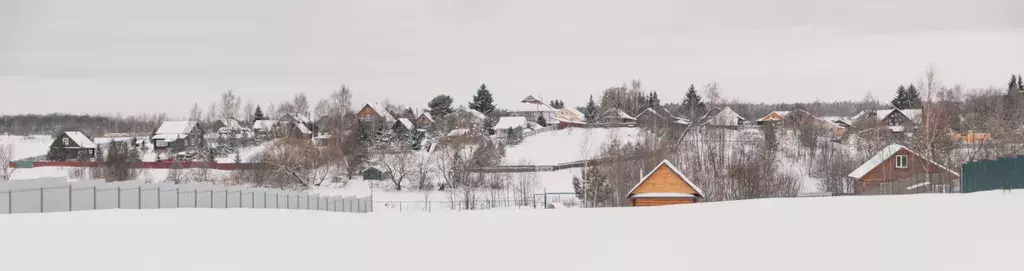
column 665, row 185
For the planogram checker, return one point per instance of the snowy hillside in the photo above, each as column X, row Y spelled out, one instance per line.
column 565, row 145
column 922, row 232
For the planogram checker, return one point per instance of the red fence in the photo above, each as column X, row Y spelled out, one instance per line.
column 154, row 165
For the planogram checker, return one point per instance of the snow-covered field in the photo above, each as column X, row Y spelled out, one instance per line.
column 567, row 145
column 920, row 232
column 27, row 147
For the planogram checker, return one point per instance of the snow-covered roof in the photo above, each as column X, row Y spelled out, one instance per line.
column 618, row 114
column 724, row 117
column 510, row 122
column 574, row 112
column 429, row 117
column 471, row 112
column 531, row 107
column 912, row 114
column 664, row 112
column 405, row 122
column 700, row 193
column 303, row 129
column 531, row 99
column 682, row 121
column 883, row 155
column 663, row 195
column 837, row 119
column 264, row 124
column 649, row 111
column 782, row 114
column 896, row 129
column 230, row 124
column 324, row 136
column 167, row 137
column 879, row 114
column 176, row 127
column 80, row 139
column 377, row 108
column 458, row 132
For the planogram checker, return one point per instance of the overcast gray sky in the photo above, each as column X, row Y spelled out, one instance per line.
column 136, row 56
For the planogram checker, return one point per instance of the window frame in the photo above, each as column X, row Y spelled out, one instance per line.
column 905, row 159
column 66, row 141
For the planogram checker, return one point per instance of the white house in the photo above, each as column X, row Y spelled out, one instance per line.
column 506, row 124
column 533, row 109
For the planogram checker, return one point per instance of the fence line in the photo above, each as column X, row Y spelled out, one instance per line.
column 136, row 195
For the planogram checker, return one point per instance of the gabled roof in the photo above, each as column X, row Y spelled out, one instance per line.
column 885, row 154
column 674, row 170
column 782, row 114
column 297, row 117
column 531, row 107
column 834, row 119
column 264, row 124
column 80, row 139
column 649, row 111
column 574, row 112
column 471, row 112
column 510, row 122
column 617, row 113
column 381, row 112
column 911, row 114
column 426, row 114
column 230, row 124
column 664, row 112
column 405, row 122
column 302, row 128
column 176, row 127
column 532, row 100
column 723, row 117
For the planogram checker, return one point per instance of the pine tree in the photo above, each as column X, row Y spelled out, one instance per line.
column 1013, row 85
column 557, row 104
column 1020, row 82
column 653, row 101
column 900, row 101
column 692, row 104
column 913, row 98
column 441, row 106
column 482, row 101
column 259, row 114
column 590, row 112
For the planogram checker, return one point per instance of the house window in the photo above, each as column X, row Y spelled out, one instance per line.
column 901, row 161
column 66, row 141
column 161, row 143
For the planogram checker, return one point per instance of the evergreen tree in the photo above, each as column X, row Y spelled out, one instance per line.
column 417, row 140
column 557, row 104
column 900, row 101
column 1020, row 82
column 590, row 112
column 652, row 100
column 692, row 104
column 914, row 98
column 594, row 188
column 259, row 114
column 1013, row 85
column 483, row 101
column 440, row 106
column 408, row 113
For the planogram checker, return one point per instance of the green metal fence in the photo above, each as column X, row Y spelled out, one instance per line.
column 1004, row 173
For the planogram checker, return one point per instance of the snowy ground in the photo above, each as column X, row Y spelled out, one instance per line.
column 920, row 232
column 567, row 145
column 28, row 147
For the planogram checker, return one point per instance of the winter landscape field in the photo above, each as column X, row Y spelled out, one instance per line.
column 918, row 232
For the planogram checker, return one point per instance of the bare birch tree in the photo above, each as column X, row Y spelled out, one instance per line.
column 6, row 157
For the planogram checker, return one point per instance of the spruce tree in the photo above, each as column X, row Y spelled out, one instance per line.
column 441, row 106
column 259, row 114
column 653, row 101
column 1013, row 85
column 900, row 101
column 557, row 104
column 692, row 104
column 590, row 112
column 1020, row 82
column 482, row 101
column 913, row 98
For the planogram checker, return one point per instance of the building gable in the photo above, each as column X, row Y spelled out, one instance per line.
column 665, row 178
column 59, row 142
column 883, row 166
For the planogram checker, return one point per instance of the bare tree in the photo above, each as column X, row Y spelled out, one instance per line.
column 229, row 105
column 300, row 163
column 301, row 103
column 249, row 113
column 399, row 164
column 711, row 94
column 6, row 157
column 196, row 114
column 423, row 172
column 524, row 185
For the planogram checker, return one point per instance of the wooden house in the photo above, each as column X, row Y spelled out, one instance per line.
column 265, row 128
column 403, row 127
column 178, row 136
column 896, row 120
column 722, row 118
column 664, row 185
column 298, row 130
column 570, row 115
column 773, row 117
column 616, row 116
column 226, row 126
column 372, row 112
column 424, row 120
column 898, row 170
column 374, row 173
column 72, row 145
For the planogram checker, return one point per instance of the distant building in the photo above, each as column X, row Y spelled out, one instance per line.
column 375, row 113
column 664, row 185
column 403, row 126
column 533, row 110
column 774, row 116
column 265, row 128
column 71, row 145
column 722, row 117
column 616, row 116
column 424, row 120
column 898, row 170
column 298, row 130
column 570, row 115
column 226, row 126
column 178, row 136
column 505, row 125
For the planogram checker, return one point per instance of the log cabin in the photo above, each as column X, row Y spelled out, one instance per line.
column 665, row 185
column 898, row 170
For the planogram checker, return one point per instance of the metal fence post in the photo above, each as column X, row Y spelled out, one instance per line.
column 94, row 198
column 158, row 201
column 195, row 198
column 40, row 199
column 10, row 201
column 240, row 196
column 119, row 197
column 140, row 197
column 71, row 202
column 177, row 197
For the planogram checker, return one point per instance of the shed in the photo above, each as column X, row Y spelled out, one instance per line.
column 374, row 173
column 665, row 185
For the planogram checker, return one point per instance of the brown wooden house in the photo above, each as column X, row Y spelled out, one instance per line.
column 664, row 185
column 178, row 136
column 375, row 112
column 898, row 170
column 72, row 145
column 424, row 120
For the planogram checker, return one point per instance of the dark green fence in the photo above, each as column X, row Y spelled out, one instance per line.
column 1004, row 173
